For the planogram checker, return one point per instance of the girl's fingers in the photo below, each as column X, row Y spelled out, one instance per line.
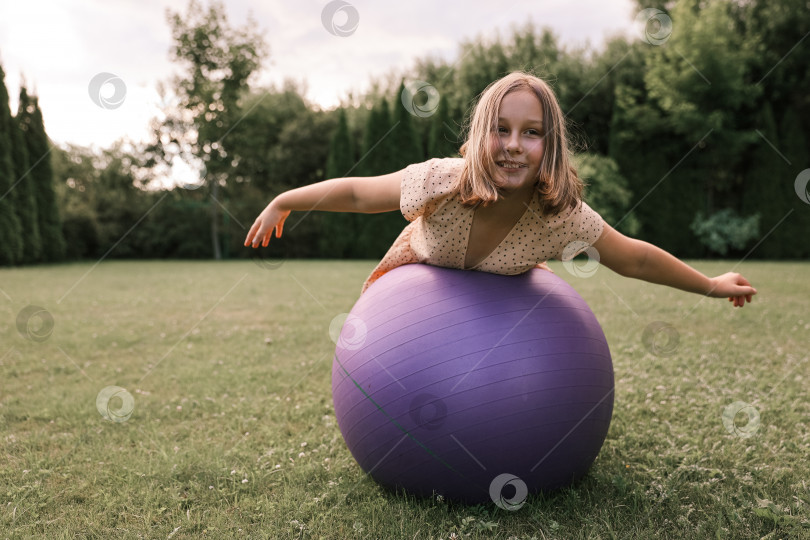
column 740, row 300
column 255, row 236
column 280, row 225
column 249, row 237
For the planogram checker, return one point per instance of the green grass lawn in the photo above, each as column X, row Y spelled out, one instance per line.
column 232, row 432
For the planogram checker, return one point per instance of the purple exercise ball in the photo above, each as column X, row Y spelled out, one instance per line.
column 461, row 384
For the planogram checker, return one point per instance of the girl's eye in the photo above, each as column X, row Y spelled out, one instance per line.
column 502, row 130
column 534, row 132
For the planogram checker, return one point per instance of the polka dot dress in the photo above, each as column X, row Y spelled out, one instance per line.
column 440, row 227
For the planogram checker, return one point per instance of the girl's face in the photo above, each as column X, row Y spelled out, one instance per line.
column 518, row 143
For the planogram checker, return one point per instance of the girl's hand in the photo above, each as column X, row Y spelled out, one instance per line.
column 733, row 286
column 544, row 266
column 271, row 218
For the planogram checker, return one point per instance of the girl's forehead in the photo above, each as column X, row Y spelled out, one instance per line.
column 521, row 94
column 523, row 102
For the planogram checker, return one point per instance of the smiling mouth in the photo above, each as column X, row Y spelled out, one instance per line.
column 511, row 165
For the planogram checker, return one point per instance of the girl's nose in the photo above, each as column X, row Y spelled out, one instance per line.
column 513, row 143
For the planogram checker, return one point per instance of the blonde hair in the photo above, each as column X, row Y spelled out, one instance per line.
column 558, row 184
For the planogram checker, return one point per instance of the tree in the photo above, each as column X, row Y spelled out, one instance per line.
column 404, row 144
column 278, row 117
column 589, row 98
column 282, row 144
column 761, row 195
column 39, row 149
column 218, row 61
column 481, row 63
column 101, row 201
column 25, row 192
column 377, row 148
column 443, row 138
column 606, row 191
column 681, row 139
column 794, row 142
column 11, row 240
column 690, row 75
column 777, row 32
column 75, row 171
column 339, row 229
column 376, row 232
column 645, row 151
column 341, row 160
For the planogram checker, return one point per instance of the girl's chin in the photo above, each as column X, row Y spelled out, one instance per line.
column 512, row 180
column 510, row 188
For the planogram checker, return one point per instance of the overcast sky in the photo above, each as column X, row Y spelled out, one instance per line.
column 60, row 46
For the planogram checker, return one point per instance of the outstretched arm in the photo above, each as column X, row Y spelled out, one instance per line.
column 642, row 260
column 367, row 195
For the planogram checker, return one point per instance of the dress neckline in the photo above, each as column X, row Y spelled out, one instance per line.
column 494, row 250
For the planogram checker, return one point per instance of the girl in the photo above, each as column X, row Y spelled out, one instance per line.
column 512, row 202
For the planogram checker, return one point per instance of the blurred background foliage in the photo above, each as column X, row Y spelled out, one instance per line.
column 693, row 144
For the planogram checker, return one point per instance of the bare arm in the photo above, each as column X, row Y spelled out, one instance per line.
column 641, row 260
column 368, row 195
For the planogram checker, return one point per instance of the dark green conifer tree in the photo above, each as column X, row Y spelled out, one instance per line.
column 376, row 150
column 443, row 140
column 405, row 145
column 25, row 193
column 50, row 225
column 339, row 230
column 376, row 232
column 341, row 160
column 11, row 241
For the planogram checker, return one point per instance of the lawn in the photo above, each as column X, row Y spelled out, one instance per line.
column 223, row 425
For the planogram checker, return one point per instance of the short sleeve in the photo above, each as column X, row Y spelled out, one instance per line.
column 425, row 184
column 584, row 226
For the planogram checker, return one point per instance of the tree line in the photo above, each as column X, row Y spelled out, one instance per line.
column 690, row 136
